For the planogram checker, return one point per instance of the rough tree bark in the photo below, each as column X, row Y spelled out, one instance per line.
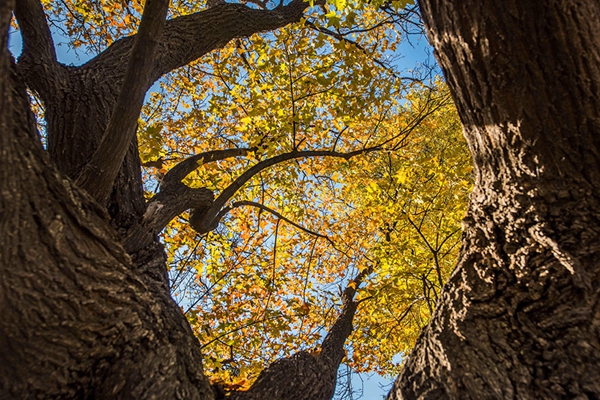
column 76, row 321
column 520, row 316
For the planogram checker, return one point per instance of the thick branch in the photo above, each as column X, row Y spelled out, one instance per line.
column 161, row 209
column 333, row 344
column 181, row 170
column 210, row 218
column 38, row 46
column 304, row 375
column 190, row 37
column 225, row 22
column 99, row 174
column 37, row 39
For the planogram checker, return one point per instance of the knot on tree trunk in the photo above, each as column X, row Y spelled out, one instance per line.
column 200, row 222
column 162, row 208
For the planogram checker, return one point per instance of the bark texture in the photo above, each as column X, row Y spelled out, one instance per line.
column 76, row 321
column 520, row 316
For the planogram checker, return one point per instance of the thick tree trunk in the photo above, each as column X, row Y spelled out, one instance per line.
column 520, row 316
column 76, row 322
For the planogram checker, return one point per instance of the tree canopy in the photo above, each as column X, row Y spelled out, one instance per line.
column 269, row 167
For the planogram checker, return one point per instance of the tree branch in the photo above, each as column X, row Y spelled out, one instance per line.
column 343, row 37
column 209, row 219
column 226, row 22
column 161, row 209
column 333, row 344
column 37, row 39
column 278, row 215
column 190, row 37
column 308, row 375
column 99, row 174
column 185, row 167
column 38, row 46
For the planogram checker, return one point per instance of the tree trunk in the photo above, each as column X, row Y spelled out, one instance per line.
column 76, row 321
column 520, row 316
